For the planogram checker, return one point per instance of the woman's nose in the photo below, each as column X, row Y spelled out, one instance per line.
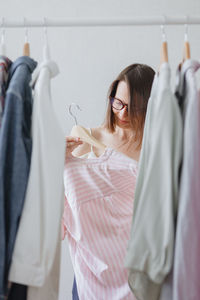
column 123, row 112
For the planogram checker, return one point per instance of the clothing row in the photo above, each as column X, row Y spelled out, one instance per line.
column 32, row 149
column 163, row 250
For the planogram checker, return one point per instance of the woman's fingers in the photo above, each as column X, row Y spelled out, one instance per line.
column 72, row 143
column 72, row 139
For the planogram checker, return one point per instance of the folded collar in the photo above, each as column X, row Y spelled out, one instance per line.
column 50, row 65
column 23, row 60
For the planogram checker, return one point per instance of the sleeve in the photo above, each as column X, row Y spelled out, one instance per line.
column 63, row 226
column 150, row 250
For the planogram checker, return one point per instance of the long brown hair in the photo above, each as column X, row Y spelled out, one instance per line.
column 139, row 79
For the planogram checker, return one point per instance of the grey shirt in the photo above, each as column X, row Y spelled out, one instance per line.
column 186, row 271
column 150, row 249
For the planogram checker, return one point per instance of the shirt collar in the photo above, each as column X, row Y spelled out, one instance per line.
column 181, row 73
column 50, row 65
column 23, row 60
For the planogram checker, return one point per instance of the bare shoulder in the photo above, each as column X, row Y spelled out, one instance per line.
column 97, row 133
column 101, row 134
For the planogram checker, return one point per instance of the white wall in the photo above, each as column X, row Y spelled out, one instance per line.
column 90, row 58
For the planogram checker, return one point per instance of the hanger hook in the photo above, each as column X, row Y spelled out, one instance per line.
column 45, row 30
column 3, row 30
column 70, row 111
column 162, row 26
column 186, row 28
column 26, row 30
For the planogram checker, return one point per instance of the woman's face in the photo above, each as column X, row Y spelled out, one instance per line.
column 121, row 116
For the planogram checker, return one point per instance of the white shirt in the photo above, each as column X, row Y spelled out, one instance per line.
column 39, row 230
column 150, row 249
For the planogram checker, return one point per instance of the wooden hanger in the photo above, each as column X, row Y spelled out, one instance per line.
column 186, row 50
column 26, row 49
column 164, row 53
column 164, row 48
column 83, row 133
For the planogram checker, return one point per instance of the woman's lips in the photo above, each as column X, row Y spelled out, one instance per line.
column 122, row 121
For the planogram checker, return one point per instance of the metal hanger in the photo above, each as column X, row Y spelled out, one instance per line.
column 46, row 51
column 2, row 45
column 70, row 111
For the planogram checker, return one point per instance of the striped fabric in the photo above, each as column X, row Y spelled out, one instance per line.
column 97, row 220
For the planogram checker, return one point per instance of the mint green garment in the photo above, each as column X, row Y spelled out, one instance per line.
column 150, row 249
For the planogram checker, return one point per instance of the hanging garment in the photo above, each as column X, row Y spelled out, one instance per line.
column 97, row 219
column 5, row 64
column 150, row 249
column 186, row 272
column 49, row 289
column 39, row 231
column 15, row 156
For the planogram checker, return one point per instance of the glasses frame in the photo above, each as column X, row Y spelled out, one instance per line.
column 123, row 104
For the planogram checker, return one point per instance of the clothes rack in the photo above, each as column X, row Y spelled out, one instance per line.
column 90, row 22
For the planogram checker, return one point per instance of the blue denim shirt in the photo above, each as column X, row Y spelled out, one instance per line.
column 15, row 156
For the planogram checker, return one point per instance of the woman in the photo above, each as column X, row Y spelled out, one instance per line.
column 122, row 131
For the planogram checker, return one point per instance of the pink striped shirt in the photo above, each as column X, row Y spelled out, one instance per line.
column 97, row 220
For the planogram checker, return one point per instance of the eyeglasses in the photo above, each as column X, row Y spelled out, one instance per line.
column 117, row 103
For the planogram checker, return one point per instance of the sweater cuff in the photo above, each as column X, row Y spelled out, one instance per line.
column 142, row 287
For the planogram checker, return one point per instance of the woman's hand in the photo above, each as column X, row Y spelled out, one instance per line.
column 71, row 144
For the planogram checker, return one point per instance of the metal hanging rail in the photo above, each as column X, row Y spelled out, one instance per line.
column 81, row 22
